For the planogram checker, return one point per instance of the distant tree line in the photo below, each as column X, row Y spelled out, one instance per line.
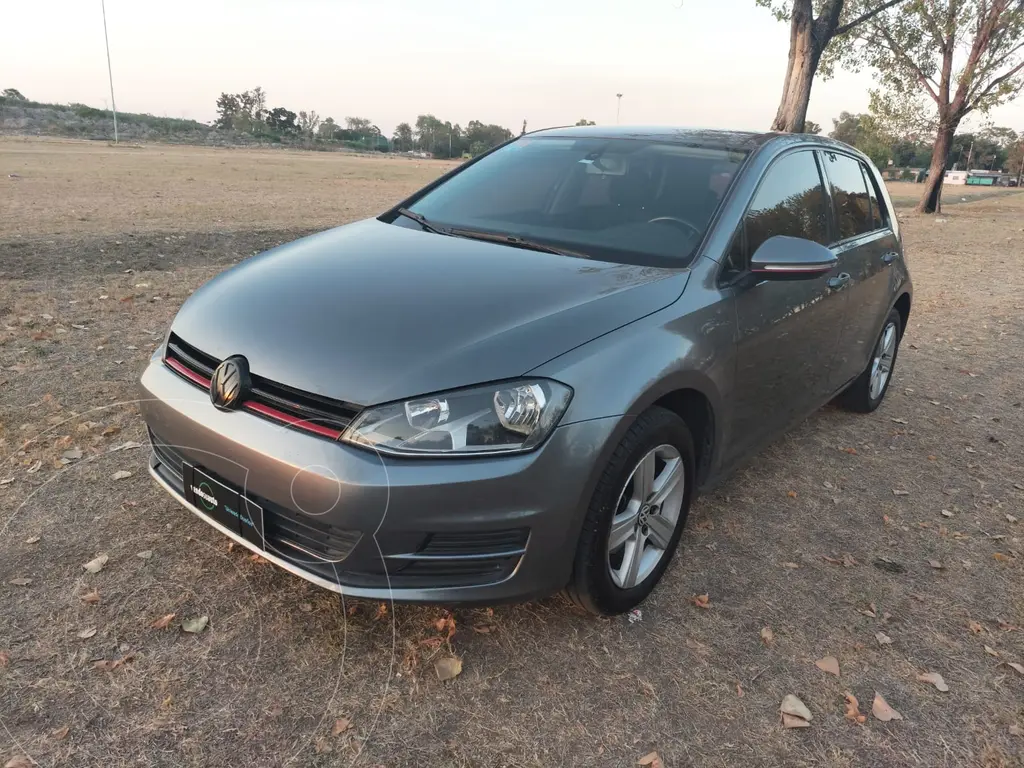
column 248, row 112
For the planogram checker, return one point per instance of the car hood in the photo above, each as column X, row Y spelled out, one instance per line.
column 372, row 312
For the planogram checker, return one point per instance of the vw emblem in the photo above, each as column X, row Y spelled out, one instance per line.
column 230, row 383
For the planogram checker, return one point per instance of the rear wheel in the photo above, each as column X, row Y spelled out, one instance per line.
column 868, row 390
column 636, row 515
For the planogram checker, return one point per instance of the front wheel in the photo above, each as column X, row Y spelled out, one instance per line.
column 868, row 389
column 636, row 515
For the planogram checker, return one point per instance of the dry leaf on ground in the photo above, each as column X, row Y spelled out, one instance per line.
column 61, row 733
column 340, row 726
column 651, row 760
column 92, row 596
column 794, row 710
column 936, row 564
column 163, row 622
column 1019, row 668
column 96, row 564
column 767, row 636
column 196, row 625
column 883, row 639
column 853, row 709
column 448, row 668
column 21, row 582
column 145, row 554
column 19, row 762
column 32, row 540
column 121, row 474
column 701, row 601
column 975, row 627
column 828, row 664
column 85, row 634
column 882, row 711
column 991, row 651
column 5, row 658
column 935, row 679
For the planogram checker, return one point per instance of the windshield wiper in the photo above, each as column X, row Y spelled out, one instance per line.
column 513, row 240
column 422, row 221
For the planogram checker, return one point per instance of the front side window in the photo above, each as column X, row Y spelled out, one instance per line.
column 790, row 201
column 849, row 195
column 624, row 200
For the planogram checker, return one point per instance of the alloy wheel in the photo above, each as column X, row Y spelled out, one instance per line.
column 881, row 362
column 646, row 516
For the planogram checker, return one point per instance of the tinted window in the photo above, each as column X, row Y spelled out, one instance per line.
column 621, row 200
column 849, row 195
column 790, row 201
column 877, row 214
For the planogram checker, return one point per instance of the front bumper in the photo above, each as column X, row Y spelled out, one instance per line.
column 482, row 529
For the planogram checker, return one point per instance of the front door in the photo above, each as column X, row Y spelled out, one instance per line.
column 786, row 331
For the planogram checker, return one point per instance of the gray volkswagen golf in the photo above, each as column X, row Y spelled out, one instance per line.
column 516, row 380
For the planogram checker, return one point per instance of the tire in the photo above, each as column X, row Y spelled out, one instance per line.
column 593, row 585
column 858, row 397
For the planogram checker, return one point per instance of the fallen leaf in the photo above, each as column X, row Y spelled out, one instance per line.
column 882, row 711
column 321, row 746
column 35, row 467
column 196, row 625
column 340, row 726
column 7, row 481
column 145, row 554
column 853, row 709
column 935, row 679
column 946, row 513
column 991, row 651
column 899, row 421
column 1016, row 730
column 701, row 601
column 999, row 557
column 883, row 639
column 92, row 596
column 61, row 733
column 851, row 451
column 85, row 634
column 899, row 492
column 121, row 474
column 739, row 691
column 21, row 582
column 73, row 454
column 5, row 658
column 163, row 622
column 936, row 564
column 96, row 564
column 975, row 627
column 651, row 759
column 1009, row 518
column 767, row 636
column 793, row 707
column 19, row 762
column 828, row 664
column 1019, row 668
column 32, row 540
column 791, row 494
column 871, row 610
column 792, row 566
column 448, row 668
column 1006, row 626
column 112, row 430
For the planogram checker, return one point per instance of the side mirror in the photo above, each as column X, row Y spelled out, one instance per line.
column 791, row 258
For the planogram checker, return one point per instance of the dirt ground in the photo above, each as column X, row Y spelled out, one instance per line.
column 891, row 542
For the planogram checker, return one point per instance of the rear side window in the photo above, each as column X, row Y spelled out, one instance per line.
column 878, row 214
column 790, row 201
column 850, row 195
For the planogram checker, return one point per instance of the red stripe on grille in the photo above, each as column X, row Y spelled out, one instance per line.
column 292, row 421
column 187, row 372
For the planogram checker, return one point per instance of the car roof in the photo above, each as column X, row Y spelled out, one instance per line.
column 746, row 141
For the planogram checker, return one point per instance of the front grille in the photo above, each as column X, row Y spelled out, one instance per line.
column 292, row 534
column 279, row 403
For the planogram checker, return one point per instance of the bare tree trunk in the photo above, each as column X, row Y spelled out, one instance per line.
column 931, row 200
column 804, row 54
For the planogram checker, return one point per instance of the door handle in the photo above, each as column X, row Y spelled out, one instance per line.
column 839, row 281
column 890, row 257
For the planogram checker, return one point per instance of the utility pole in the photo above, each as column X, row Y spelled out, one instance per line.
column 618, row 108
column 110, row 71
column 1020, row 173
column 969, row 153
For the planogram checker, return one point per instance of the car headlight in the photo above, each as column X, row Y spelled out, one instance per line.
column 495, row 418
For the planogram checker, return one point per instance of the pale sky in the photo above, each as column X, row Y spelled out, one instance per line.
column 709, row 63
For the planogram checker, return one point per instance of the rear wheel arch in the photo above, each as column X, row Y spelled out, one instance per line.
column 902, row 306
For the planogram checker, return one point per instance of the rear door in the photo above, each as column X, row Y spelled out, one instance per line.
column 866, row 246
column 787, row 331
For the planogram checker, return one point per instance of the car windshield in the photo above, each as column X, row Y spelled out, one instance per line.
column 622, row 200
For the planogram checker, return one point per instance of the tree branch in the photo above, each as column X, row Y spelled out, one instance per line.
column 867, row 16
column 909, row 64
column 973, row 102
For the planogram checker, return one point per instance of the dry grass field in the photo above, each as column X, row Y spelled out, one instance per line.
column 892, row 542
